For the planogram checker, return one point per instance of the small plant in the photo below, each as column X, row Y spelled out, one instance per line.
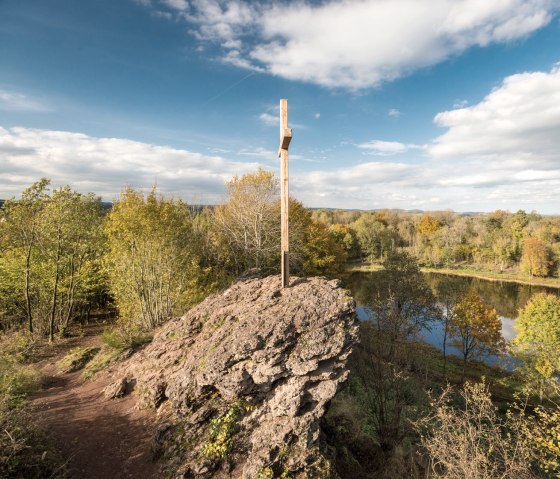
column 17, row 379
column 121, row 339
column 222, row 431
column 76, row 359
column 100, row 361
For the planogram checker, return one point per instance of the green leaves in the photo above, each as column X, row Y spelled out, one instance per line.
column 538, row 341
column 152, row 260
column 49, row 257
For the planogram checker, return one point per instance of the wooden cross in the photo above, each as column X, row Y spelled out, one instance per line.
column 285, row 138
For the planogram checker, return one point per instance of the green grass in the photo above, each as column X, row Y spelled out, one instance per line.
column 99, row 362
column 120, row 340
column 26, row 450
column 76, row 359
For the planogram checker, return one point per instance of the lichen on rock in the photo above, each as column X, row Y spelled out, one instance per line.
column 242, row 380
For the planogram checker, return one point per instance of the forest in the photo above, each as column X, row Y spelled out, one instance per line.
column 66, row 261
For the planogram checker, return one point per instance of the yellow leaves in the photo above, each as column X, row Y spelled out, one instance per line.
column 477, row 325
column 535, row 260
column 428, row 225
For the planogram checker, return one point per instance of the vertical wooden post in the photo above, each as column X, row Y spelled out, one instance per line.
column 285, row 138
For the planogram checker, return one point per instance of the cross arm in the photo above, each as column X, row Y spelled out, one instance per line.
column 285, row 140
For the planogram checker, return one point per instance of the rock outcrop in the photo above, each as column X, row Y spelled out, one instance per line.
column 242, row 380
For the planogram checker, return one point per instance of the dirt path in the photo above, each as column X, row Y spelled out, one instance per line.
column 102, row 439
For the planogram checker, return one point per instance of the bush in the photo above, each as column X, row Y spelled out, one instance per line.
column 17, row 379
column 25, row 449
column 120, row 338
column 473, row 440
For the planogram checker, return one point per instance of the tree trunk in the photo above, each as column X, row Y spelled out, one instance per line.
column 27, row 295
column 55, row 290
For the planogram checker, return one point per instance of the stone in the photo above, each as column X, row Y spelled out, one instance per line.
column 116, row 389
column 249, row 374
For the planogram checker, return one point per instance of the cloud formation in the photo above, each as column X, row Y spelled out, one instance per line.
column 499, row 153
column 16, row 101
column 516, row 126
column 105, row 165
column 368, row 42
column 388, row 148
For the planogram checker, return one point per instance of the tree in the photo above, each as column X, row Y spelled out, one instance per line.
column 324, row 255
column 50, row 261
column 537, row 343
column 346, row 236
column 247, row 221
column 535, row 260
column 401, row 308
column 22, row 228
column 449, row 291
column 428, row 225
column 371, row 233
column 72, row 248
column 152, row 259
column 476, row 327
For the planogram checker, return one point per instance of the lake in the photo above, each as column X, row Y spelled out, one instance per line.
column 506, row 297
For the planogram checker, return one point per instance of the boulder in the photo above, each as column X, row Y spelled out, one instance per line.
column 242, row 380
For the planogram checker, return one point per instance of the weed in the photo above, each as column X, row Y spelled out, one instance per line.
column 223, row 430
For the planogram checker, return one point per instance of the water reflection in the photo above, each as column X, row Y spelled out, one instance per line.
column 506, row 297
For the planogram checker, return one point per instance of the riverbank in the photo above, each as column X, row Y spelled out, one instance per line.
column 487, row 275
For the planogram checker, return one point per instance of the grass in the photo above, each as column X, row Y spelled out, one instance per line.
column 469, row 271
column 100, row 361
column 25, row 447
column 120, row 340
column 76, row 359
column 503, row 384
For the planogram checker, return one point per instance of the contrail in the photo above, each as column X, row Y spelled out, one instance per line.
column 225, row 90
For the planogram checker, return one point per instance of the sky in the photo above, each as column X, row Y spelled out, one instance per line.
column 412, row 104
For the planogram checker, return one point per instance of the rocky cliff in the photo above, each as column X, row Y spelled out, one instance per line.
column 242, row 380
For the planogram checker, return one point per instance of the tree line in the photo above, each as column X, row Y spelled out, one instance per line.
column 518, row 242
column 150, row 256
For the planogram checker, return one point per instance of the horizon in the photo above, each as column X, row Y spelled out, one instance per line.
column 387, row 111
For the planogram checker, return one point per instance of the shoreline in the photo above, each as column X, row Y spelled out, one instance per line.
column 470, row 273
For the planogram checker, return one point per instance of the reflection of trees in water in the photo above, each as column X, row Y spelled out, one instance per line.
column 506, row 297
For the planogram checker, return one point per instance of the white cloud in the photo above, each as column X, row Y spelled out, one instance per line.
column 394, row 113
column 270, row 120
column 515, row 127
column 317, row 115
column 386, row 148
column 105, row 165
column 15, row 101
column 499, row 153
column 262, row 153
column 460, row 103
column 368, row 41
column 181, row 5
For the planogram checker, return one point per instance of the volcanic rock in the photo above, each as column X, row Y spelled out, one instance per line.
column 242, row 380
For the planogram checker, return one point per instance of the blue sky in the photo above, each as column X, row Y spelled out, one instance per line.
column 429, row 104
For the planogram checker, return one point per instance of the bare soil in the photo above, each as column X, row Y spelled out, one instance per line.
column 101, row 438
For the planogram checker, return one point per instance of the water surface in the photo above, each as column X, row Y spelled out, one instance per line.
column 506, row 297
